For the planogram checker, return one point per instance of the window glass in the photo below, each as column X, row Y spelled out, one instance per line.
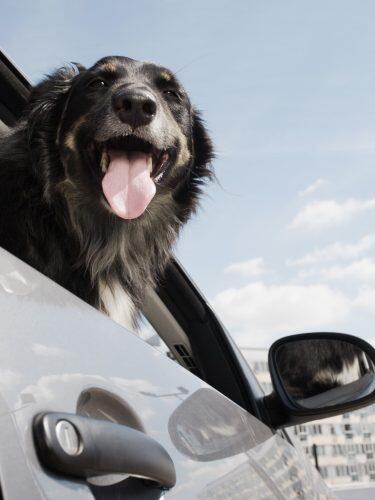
column 147, row 332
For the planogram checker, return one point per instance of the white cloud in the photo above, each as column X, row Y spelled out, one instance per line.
column 10, row 379
column 258, row 312
column 312, row 187
column 362, row 270
column 248, row 268
column 48, row 351
column 326, row 213
column 336, row 251
column 366, row 299
column 306, row 273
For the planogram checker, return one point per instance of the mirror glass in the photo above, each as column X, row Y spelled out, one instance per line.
column 318, row 373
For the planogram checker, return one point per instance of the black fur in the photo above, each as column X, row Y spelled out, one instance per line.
column 51, row 203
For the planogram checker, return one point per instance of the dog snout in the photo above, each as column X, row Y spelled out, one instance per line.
column 135, row 107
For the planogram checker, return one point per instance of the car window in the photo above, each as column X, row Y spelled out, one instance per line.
column 151, row 336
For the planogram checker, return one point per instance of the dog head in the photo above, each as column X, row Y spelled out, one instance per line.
column 120, row 138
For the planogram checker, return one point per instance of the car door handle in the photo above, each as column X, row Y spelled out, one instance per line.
column 85, row 447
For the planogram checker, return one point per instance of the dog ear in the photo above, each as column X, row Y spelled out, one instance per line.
column 42, row 119
column 46, row 101
column 200, row 169
column 202, row 148
column 79, row 66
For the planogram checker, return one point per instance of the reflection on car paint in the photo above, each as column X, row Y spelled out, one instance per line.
column 14, row 280
column 205, row 428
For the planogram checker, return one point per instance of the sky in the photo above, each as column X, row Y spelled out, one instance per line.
column 285, row 239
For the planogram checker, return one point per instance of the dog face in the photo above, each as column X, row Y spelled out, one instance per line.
column 126, row 136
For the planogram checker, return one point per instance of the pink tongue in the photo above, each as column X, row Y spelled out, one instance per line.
column 127, row 184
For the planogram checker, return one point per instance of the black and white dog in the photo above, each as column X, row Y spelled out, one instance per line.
column 98, row 177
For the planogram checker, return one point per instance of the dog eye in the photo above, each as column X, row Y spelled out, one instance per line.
column 172, row 93
column 97, row 84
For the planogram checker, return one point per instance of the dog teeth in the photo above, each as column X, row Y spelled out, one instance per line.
column 159, row 177
column 104, row 161
column 161, row 168
column 149, row 164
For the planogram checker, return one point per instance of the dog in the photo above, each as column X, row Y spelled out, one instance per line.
column 98, row 177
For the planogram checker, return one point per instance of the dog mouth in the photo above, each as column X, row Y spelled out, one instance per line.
column 131, row 145
column 131, row 169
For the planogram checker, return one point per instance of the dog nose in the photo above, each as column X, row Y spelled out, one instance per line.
column 136, row 107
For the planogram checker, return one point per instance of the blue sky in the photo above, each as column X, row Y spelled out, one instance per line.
column 285, row 242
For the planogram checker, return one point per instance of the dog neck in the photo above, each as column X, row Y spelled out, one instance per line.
column 117, row 303
column 122, row 256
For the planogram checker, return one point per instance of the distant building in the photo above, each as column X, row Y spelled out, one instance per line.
column 345, row 444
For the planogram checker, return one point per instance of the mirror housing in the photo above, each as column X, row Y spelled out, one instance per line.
column 318, row 375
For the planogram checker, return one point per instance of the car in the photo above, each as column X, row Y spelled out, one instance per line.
column 91, row 410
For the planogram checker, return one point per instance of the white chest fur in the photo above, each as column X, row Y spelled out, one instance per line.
column 117, row 304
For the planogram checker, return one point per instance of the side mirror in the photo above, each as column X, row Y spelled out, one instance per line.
column 317, row 375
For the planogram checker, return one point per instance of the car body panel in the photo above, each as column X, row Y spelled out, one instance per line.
column 54, row 347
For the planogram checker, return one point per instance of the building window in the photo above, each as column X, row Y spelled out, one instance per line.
column 316, row 429
column 323, row 472
column 353, row 469
column 341, row 470
column 321, row 450
column 337, row 449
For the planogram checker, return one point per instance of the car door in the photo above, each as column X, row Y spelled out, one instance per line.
column 58, row 354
